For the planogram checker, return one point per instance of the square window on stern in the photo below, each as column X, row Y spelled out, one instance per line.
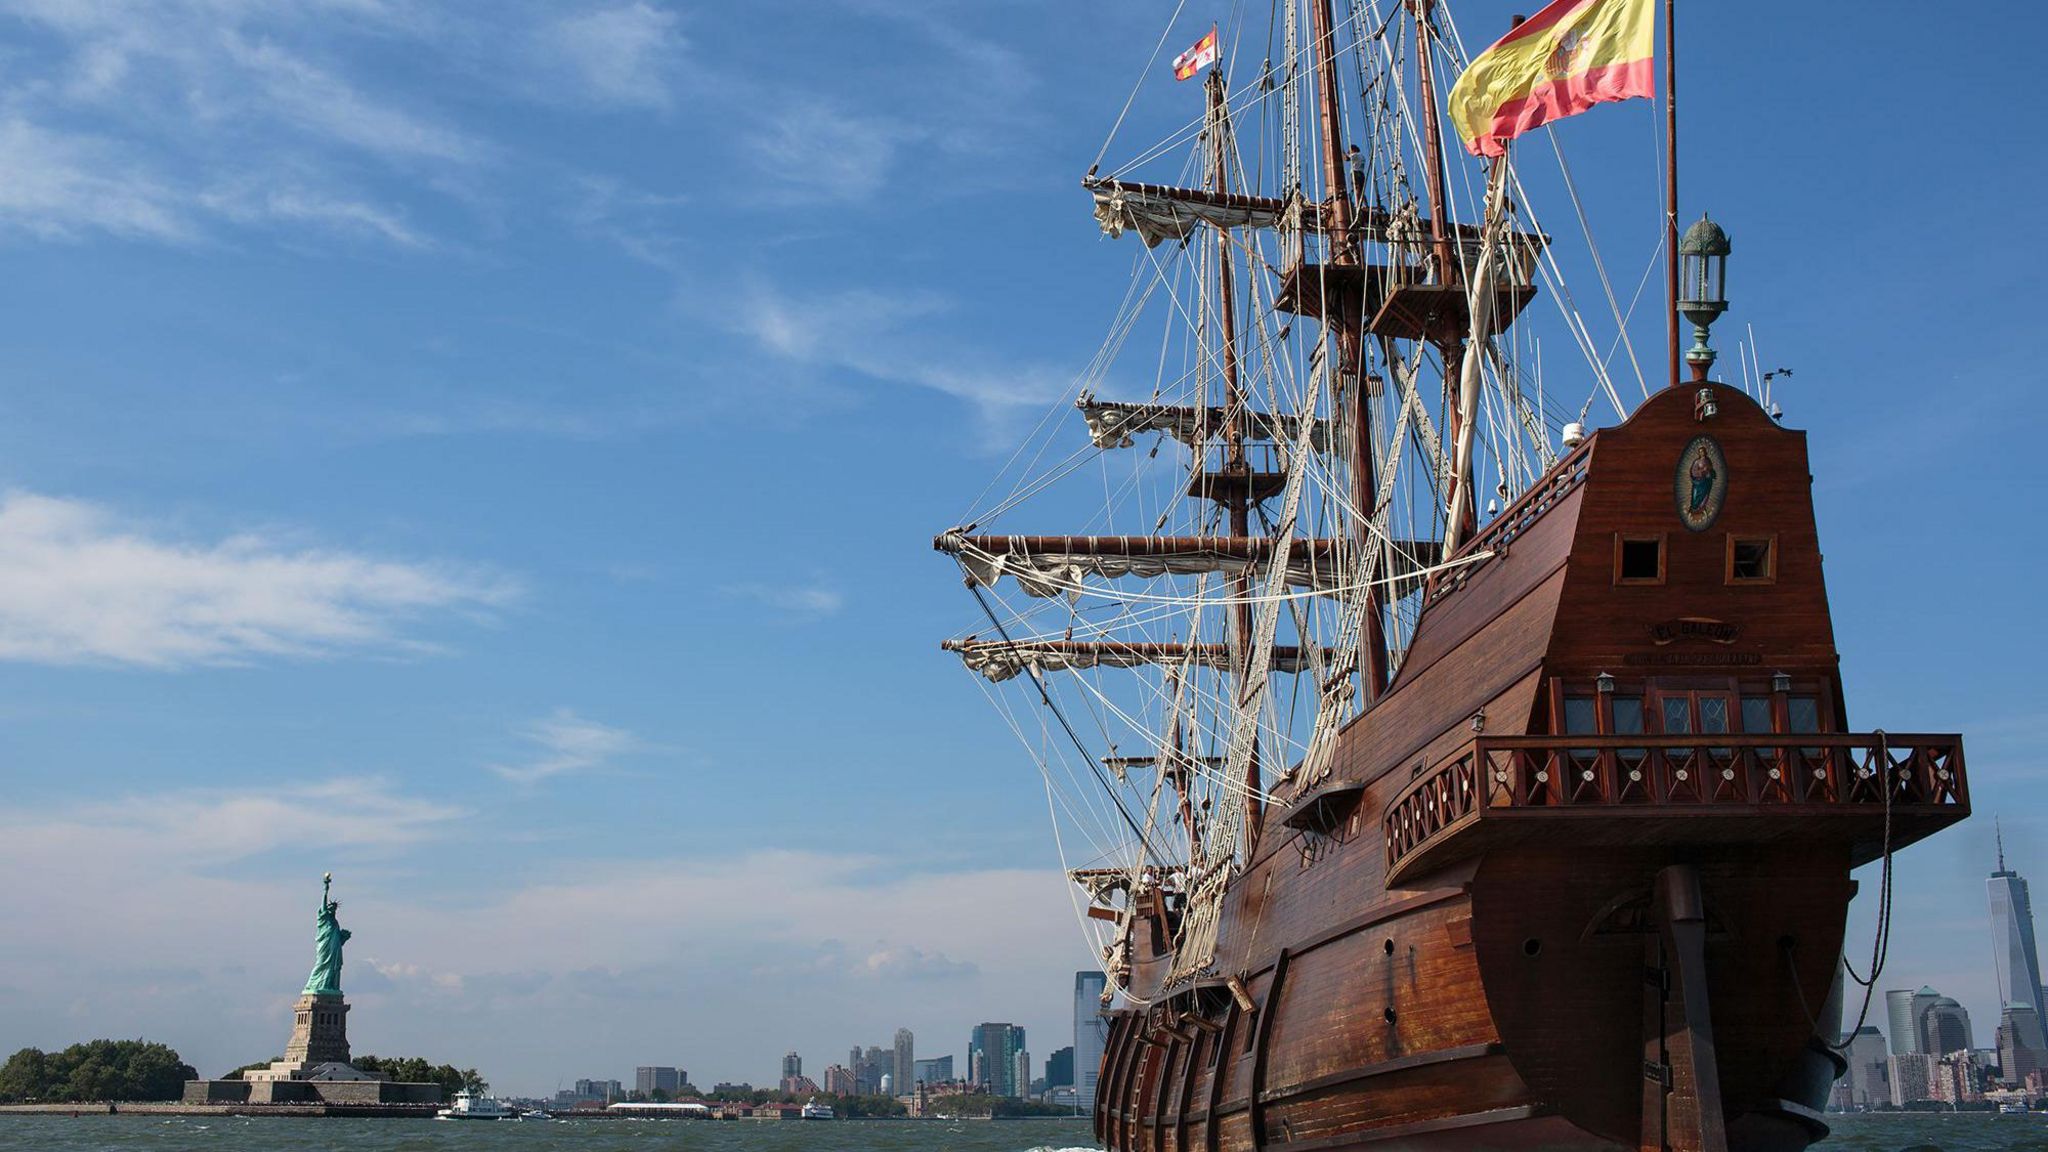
column 1752, row 559
column 1639, row 560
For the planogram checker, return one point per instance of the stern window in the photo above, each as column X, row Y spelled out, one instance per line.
column 1752, row 559
column 1639, row 560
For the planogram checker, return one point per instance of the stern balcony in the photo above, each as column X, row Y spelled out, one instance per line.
column 1691, row 790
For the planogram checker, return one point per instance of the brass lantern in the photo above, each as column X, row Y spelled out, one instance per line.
column 1702, row 287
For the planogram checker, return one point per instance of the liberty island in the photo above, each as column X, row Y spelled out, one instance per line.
column 316, row 1068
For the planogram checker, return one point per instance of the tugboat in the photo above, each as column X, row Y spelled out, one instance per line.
column 1442, row 771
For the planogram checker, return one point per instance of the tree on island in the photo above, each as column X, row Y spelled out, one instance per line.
column 404, row 1069
column 94, row 1071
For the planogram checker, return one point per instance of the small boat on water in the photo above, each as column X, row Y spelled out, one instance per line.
column 816, row 1111
column 472, row 1106
column 2012, row 1108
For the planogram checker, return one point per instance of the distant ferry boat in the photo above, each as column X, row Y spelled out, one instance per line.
column 816, row 1111
column 2012, row 1108
column 470, row 1106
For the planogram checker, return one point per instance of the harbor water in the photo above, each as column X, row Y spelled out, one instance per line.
column 1969, row 1132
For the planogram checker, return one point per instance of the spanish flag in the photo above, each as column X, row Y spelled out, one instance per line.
column 1563, row 60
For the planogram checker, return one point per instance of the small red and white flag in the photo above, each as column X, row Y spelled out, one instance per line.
column 1197, row 58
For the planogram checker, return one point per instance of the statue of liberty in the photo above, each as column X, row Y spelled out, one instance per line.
column 329, row 936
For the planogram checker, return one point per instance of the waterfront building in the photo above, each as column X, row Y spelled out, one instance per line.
column 649, row 1079
column 906, row 1060
column 1059, row 1068
column 1091, row 1033
column 1912, row 1078
column 992, row 1050
column 839, row 1081
column 937, row 1070
column 608, row 1091
column 2014, row 956
column 1020, row 1073
column 792, row 1065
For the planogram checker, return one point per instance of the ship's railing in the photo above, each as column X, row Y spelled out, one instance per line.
column 1802, row 772
column 1498, row 535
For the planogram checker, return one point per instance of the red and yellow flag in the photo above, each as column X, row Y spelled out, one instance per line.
column 1563, row 60
column 1197, row 58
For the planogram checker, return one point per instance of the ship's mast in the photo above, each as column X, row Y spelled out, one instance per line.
column 1233, row 426
column 1343, row 250
column 1448, row 270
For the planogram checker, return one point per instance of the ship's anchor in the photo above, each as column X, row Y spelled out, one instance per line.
column 1681, row 1075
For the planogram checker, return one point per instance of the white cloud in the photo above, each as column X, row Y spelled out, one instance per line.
column 874, row 333
column 816, row 150
column 210, row 828
column 56, row 187
column 619, row 56
column 290, row 205
column 77, row 587
column 639, row 222
column 567, row 743
column 310, row 97
column 795, row 601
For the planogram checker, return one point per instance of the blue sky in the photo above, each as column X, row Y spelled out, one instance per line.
column 491, row 451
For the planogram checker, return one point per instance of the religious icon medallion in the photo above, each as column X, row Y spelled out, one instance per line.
column 1702, row 483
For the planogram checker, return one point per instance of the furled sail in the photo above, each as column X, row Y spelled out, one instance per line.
column 1000, row 660
column 1112, row 424
column 1047, row 566
column 1158, row 213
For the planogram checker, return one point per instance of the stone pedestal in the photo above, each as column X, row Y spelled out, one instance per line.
column 319, row 1036
column 319, row 1030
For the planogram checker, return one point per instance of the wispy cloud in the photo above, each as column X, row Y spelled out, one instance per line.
column 213, row 828
column 55, row 186
column 817, row 149
column 313, row 98
column 638, row 222
column 77, row 586
column 623, row 56
column 798, row 602
column 565, row 743
column 883, row 336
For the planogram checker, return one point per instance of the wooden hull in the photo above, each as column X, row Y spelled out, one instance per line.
column 1486, row 930
column 1506, row 1011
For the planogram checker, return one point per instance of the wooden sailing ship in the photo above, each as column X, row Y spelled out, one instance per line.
column 1404, row 825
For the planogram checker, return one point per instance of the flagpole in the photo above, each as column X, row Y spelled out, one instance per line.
column 1671, row 184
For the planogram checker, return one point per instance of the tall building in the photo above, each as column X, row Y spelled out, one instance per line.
column 992, row 1058
column 870, row 1066
column 937, row 1070
column 1020, row 1073
column 1091, row 1034
column 839, row 1080
column 1059, row 1068
column 1944, row 1028
column 1904, row 1008
column 792, row 1065
column 906, row 1061
column 649, row 1080
column 1867, row 1081
column 2014, row 956
column 609, row 1091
